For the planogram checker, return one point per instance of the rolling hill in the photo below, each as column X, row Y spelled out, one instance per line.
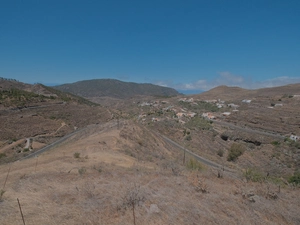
column 237, row 93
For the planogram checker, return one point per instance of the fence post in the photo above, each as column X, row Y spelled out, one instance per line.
column 21, row 211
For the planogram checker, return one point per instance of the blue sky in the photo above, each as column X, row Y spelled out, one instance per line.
column 188, row 45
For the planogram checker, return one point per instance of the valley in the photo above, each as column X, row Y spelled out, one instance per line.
column 211, row 158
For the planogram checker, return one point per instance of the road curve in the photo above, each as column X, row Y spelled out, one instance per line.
column 52, row 144
column 199, row 158
column 249, row 130
column 40, row 151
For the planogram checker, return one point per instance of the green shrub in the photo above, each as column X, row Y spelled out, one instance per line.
column 188, row 137
column 1, row 195
column 76, row 155
column 2, row 155
column 253, row 175
column 295, row 178
column 194, row 164
column 235, row 151
column 275, row 143
column 199, row 122
column 220, row 152
column 186, row 132
column 81, row 171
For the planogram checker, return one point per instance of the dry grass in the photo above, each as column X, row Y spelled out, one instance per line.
column 54, row 192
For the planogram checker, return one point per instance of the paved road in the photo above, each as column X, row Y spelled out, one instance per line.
column 52, row 144
column 60, row 141
column 199, row 158
column 249, row 130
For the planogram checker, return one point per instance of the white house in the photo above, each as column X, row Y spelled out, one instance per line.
column 246, row 101
column 294, row 137
column 226, row 113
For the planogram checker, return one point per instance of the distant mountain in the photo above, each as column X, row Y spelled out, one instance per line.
column 237, row 93
column 114, row 88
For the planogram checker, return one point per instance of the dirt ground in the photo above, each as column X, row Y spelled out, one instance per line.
column 87, row 179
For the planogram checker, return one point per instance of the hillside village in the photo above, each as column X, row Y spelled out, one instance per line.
column 183, row 112
column 184, row 109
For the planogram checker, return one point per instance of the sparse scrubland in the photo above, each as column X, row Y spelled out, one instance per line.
column 117, row 169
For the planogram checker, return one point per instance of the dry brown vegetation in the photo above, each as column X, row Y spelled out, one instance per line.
column 117, row 168
column 44, row 125
column 58, row 188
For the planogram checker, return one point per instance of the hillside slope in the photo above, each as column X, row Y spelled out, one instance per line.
column 88, row 180
column 237, row 93
column 41, row 114
column 114, row 88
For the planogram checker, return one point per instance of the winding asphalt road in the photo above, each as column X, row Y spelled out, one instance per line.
column 199, row 158
column 40, row 151
column 249, row 130
column 52, row 144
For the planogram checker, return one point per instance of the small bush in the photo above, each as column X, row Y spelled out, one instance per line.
column 253, row 175
column 1, row 195
column 275, row 143
column 220, row 152
column 132, row 198
column 295, row 179
column 186, row 132
column 194, row 164
column 76, row 155
column 81, row 171
column 2, row 155
column 235, row 151
column 188, row 137
column 199, row 123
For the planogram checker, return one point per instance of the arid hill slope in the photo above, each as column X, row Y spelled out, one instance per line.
column 237, row 93
column 92, row 178
column 42, row 114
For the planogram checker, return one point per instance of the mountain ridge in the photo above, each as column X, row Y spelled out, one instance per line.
column 115, row 88
column 231, row 93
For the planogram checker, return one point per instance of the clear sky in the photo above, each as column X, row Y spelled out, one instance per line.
column 188, row 45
